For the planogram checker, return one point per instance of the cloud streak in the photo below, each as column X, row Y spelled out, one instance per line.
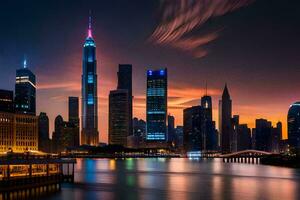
column 181, row 18
column 69, row 86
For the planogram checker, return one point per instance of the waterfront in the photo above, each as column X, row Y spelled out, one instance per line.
column 179, row 178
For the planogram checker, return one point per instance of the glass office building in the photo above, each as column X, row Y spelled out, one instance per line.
column 157, row 96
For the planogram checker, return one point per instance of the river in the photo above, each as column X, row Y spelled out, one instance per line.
column 180, row 179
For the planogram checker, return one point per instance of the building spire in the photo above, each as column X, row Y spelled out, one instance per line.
column 24, row 62
column 226, row 92
column 90, row 25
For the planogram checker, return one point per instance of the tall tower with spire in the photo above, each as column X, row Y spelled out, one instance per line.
column 225, row 115
column 25, row 91
column 89, row 122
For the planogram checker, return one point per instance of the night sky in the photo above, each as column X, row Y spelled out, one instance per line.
column 254, row 47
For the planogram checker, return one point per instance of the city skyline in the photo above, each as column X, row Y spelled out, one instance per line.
column 186, row 83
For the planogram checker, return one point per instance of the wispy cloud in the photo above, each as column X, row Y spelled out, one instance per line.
column 67, row 86
column 180, row 18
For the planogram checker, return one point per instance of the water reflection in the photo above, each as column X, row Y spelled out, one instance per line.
column 179, row 179
column 112, row 164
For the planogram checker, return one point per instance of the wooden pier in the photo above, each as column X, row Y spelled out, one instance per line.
column 24, row 176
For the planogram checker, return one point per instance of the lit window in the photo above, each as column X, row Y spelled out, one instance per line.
column 90, row 100
column 162, row 72
column 90, row 79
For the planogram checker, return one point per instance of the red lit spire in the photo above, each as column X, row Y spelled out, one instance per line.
column 90, row 26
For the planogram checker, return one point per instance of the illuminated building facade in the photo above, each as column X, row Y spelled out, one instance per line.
column 89, row 121
column 18, row 132
column 25, row 91
column 156, row 105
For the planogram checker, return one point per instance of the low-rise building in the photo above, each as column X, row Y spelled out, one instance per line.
column 18, row 132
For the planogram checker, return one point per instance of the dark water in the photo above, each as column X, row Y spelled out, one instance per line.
column 179, row 179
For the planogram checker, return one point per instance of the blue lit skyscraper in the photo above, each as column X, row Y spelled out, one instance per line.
column 89, row 133
column 157, row 97
column 25, row 91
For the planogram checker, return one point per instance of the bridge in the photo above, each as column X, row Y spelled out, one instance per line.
column 245, row 156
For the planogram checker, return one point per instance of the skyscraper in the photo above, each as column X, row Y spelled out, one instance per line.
column 65, row 135
column 89, row 133
column 139, row 128
column 206, row 103
column 209, row 135
column 57, row 134
column 43, row 130
column 235, row 122
column 171, row 128
column 263, row 135
column 25, row 91
column 276, row 137
column 125, row 83
column 118, row 117
column 244, row 138
column 156, row 105
column 225, row 109
column 293, row 119
column 74, row 110
column 74, row 121
column 6, row 101
column 179, row 138
column 193, row 128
